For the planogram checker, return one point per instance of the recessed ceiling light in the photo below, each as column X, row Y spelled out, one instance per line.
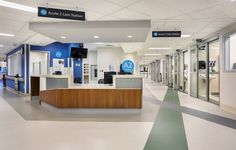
column 6, row 34
column 152, row 54
column 129, row 36
column 18, row 6
column 159, row 48
column 96, row 37
column 1, row 45
column 99, row 43
column 185, row 35
column 63, row 37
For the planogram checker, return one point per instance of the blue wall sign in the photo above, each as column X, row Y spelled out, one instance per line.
column 58, row 54
column 128, row 66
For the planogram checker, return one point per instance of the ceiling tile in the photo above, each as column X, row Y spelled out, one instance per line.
column 100, row 6
column 154, row 9
column 209, row 13
column 187, row 5
column 127, row 14
column 228, row 8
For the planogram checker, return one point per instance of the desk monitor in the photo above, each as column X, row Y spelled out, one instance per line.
column 108, row 77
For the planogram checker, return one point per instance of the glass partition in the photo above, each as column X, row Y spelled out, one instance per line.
column 202, row 72
column 170, row 71
column 181, row 71
column 230, row 53
column 186, row 61
column 176, row 71
column 193, row 72
column 214, row 71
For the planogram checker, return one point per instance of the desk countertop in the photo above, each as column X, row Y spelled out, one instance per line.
column 51, row 76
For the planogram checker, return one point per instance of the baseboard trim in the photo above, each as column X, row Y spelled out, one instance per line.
column 228, row 108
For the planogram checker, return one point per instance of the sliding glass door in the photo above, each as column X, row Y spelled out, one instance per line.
column 214, row 72
column 193, row 72
column 209, row 71
column 181, row 71
column 202, row 72
column 186, row 65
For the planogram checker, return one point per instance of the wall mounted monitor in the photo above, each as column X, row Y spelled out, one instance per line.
column 79, row 52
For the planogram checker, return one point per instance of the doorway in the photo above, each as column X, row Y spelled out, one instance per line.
column 214, row 72
column 202, row 72
column 208, row 72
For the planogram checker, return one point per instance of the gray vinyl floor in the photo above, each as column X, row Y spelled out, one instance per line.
column 31, row 110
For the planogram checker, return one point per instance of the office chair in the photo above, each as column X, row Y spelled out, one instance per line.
column 101, row 81
column 234, row 66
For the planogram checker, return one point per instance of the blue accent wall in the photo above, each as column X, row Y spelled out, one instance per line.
column 54, row 48
column 64, row 50
column 78, row 64
column 22, row 58
column 27, row 51
column 11, row 82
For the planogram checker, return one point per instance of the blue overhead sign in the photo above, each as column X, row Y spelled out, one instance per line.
column 156, row 34
column 128, row 66
column 61, row 13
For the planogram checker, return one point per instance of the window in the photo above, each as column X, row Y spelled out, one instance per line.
column 14, row 64
column 230, row 53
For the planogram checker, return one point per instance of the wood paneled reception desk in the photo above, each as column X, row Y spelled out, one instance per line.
column 126, row 92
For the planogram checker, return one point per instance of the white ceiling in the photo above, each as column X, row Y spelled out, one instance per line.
column 84, row 32
column 196, row 17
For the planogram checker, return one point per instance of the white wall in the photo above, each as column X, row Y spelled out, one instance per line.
column 109, row 56
column 91, row 58
column 39, row 57
column 227, row 79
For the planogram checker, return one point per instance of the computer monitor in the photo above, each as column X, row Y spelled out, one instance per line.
column 108, row 77
column 79, row 52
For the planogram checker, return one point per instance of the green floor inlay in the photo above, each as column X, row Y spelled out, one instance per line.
column 168, row 130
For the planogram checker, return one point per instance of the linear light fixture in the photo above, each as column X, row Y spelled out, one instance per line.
column 152, row 54
column 185, row 35
column 159, row 48
column 63, row 37
column 99, row 43
column 18, row 6
column 6, row 34
column 96, row 37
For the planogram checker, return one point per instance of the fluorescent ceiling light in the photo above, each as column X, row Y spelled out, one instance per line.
column 1, row 46
column 99, row 43
column 159, row 48
column 6, row 34
column 152, row 54
column 18, row 6
column 185, row 35
column 95, row 36
column 129, row 36
column 63, row 37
